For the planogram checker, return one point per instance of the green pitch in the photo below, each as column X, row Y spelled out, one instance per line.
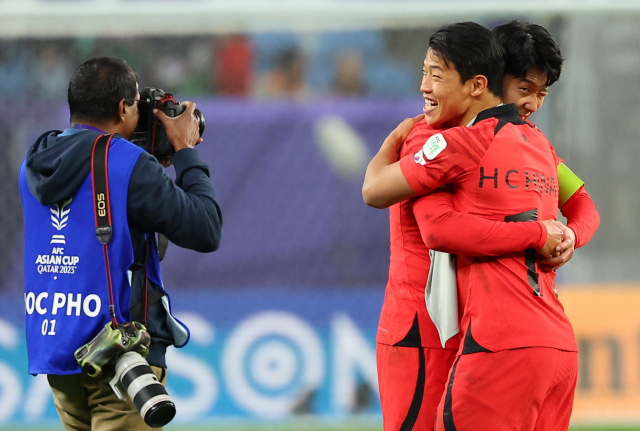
column 313, row 428
column 169, row 428
column 604, row 428
column 186, row 427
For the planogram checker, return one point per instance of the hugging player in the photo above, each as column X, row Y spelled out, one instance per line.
column 409, row 348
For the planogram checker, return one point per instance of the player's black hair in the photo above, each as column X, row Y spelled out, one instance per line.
column 529, row 46
column 98, row 86
column 473, row 50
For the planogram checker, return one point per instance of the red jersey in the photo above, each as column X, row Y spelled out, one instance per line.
column 404, row 318
column 504, row 170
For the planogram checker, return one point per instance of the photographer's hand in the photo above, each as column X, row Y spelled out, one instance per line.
column 165, row 161
column 183, row 130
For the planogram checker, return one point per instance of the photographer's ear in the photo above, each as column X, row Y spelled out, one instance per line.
column 122, row 110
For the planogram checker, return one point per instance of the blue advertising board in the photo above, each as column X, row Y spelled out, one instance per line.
column 283, row 316
column 255, row 354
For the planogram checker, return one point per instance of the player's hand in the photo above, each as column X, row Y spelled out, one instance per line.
column 183, row 131
column 555, row 237
column 567, row 248
column 397, row 137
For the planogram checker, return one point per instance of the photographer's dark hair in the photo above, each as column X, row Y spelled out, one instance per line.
column 529, row 46
column 97, row 87
column 473, row 50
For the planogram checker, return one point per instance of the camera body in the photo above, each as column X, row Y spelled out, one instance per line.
column 118, row 355
column 95, row 356
column 150, row 133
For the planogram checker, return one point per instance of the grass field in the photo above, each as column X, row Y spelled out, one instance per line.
column 186, row 427
column 214, row 428
column 637, row 428
column 363, row 423
column 603, row 428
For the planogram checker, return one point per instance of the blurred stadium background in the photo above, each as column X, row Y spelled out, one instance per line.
column 298, row 96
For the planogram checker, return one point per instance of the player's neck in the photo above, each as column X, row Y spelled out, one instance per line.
column 486, row 101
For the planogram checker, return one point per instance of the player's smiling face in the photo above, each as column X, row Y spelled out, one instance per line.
column 526, row 93
column 446, row 97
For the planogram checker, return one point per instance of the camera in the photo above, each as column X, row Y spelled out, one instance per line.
column 134, row 375
column 95, row 356
column 150, row 133
column 117, row 354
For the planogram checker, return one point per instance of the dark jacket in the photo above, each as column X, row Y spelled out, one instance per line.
column 185, row 211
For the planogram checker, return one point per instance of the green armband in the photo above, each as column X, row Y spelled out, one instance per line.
column 568, row 183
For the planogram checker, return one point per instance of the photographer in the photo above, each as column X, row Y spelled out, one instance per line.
column 66, row 291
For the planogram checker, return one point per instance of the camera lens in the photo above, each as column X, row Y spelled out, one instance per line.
column 149, row 395
column 200, row 118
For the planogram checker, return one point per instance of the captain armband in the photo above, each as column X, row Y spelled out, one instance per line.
column 568, row 182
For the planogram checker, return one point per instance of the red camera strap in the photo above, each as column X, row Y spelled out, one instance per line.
column 145, row 298
column 102, row 211
column 101, row 207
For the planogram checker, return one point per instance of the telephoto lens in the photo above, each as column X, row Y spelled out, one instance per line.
column 134, row 375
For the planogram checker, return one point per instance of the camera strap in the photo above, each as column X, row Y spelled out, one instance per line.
column 104, row 227
column 145, row 297
column 101, row 207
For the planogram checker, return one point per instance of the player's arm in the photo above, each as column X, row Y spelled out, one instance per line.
column 582, row 216
column 384, row 183
column 444, row 229
column 442, row 160
column 578, row 207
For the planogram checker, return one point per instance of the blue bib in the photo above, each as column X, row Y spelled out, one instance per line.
column 66, row 295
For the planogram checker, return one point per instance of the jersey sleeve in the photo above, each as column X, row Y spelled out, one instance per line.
column 446, row 157
column 444, row 229
column 581, row 215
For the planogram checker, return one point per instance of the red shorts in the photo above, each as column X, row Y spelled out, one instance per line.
column 529, row 389
column 411, row 381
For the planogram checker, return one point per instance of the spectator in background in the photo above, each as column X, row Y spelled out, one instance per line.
column 52, row 73
column 169, row 72
column 13, row 70
column 287, row 79
column 233, row 66
column 348, row 74
column 182, row 72
column 197, row 82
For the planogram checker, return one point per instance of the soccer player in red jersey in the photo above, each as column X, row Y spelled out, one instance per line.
column 461, row 107
column 414, row 356
column 407, row 374
column 532, row 64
